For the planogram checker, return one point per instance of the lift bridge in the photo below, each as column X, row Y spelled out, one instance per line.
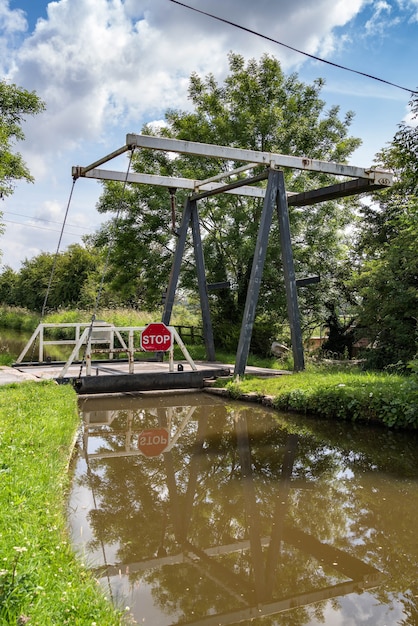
column 352, row 181
column 274, row 196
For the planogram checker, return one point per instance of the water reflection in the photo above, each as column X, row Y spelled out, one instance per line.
column 200, row 512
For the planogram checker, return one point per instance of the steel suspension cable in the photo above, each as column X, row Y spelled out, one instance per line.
column 54, row 264
column 105, row 268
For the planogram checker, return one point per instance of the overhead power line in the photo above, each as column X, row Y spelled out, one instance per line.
column 42, row 219
column 51, row 230
column 280, row 43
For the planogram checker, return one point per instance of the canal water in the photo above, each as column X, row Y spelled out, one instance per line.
column 193, row 510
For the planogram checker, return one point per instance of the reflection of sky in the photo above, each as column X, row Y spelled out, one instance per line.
column 138, row 598
column 80, row 504
column 361, row 610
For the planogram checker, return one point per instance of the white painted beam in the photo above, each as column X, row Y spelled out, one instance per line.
column 269, row 159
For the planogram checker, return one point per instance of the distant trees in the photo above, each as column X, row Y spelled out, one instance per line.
column 74, row 281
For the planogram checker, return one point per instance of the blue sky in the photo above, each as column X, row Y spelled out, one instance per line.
column 106, row 67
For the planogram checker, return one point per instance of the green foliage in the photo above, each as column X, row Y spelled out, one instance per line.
column 15, row 104
column 139, row 244
column 387, row 279
column 377, row 398
column 17, row 318
column 41, row 580
column 5, row 358
column 388, row 286
column 70, row 279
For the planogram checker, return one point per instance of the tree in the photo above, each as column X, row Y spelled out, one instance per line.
column 72, row 277
column 8, row 279
column 257, row 107
column 15, row 104
column 388, row 276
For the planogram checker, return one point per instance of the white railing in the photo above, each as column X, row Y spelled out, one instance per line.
column 101, row 338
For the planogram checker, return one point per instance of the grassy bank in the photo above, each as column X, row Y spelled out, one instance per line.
column 17, row 318
column 41, row 581
column 349, row 395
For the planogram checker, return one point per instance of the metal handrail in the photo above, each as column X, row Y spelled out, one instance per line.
column 98, row 337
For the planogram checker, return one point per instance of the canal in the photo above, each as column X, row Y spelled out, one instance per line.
column 193, row 510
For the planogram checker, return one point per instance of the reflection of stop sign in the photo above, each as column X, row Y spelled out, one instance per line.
column 156, row 338
column 153, row 441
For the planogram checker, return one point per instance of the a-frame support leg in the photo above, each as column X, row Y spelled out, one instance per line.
column 275, row 195
column 256, row 273
column 190, row 214
column 290, row 278
column 175, row 268
column 201, row 279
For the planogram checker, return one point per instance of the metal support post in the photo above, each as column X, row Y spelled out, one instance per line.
column 175, row 268
column 201, row 279
column 256, row 273
column 289, row 277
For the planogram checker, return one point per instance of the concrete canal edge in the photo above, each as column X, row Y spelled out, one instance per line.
column 267, row 401
column 9, row 375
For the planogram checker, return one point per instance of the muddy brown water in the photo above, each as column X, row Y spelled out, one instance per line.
column 193, row 510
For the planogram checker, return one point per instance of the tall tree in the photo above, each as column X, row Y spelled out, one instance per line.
column 256, row 107
column 388, row 276
column 15, row 104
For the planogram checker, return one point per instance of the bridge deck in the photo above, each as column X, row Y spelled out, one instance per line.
column 113, row 377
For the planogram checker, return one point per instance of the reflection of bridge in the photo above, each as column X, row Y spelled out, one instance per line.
column 362, row 576
column 253, row 589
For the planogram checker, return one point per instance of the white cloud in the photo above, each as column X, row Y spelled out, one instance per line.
column 411, row 119
column 11, row 21
column 99, row 64
column 103, row 65
column 12, row 24
column 106, row 67
column 380, row 20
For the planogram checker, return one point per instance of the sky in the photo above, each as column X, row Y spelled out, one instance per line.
column 104, row 68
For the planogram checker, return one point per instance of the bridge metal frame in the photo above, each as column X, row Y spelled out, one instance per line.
column 111, row 340
column 274, row 195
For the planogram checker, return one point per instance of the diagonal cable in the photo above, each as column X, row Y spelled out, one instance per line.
column 280, row 43
column 106, row 265
column 54, row 265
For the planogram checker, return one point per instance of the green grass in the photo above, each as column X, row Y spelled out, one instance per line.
column 6, row 358
column 388, row 399
column 42, row 582
column 17, row 318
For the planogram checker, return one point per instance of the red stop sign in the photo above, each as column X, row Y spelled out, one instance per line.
column 153, row 441
column 156, row 337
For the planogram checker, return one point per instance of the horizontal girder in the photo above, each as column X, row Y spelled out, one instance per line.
column 269, row 159
column 363, row 180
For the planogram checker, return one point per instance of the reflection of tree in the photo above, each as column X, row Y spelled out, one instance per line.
column 235, row 476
